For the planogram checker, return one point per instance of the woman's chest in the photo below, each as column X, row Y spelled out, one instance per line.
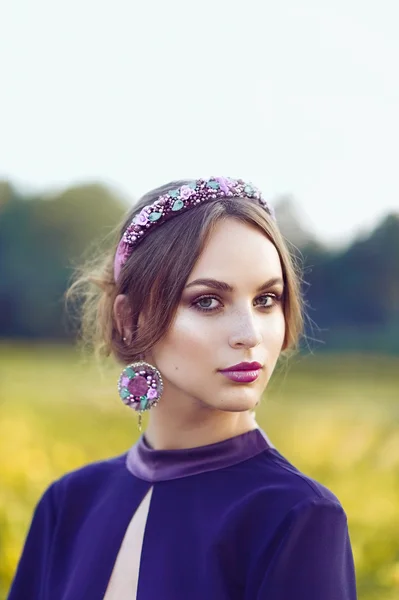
column 172, row 546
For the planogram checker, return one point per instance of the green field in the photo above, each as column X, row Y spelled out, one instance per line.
column 335, row 417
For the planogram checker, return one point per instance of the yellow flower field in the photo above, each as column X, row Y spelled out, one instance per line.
column 334, row 417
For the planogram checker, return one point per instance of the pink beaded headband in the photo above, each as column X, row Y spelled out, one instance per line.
column 176, row 201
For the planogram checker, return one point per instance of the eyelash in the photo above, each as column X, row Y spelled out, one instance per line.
column 276, row 299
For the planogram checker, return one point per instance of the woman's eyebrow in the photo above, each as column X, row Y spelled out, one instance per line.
column 225, row 287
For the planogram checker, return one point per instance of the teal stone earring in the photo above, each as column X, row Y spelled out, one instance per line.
column 140, row 386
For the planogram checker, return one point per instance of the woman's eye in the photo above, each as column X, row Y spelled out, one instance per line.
column 205, row 303
column 267, row 300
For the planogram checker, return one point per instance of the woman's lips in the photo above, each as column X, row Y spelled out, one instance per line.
column 242, row 376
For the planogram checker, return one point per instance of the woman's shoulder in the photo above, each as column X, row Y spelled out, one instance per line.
column 91, row 478
column 292, row 480
column 82, row 488
column 269, row 482
column 97, row 468
column 272, row 496
column 294, row 524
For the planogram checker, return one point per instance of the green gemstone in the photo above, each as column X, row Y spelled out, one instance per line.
column 174, row 193
column 249, row 190
column 130, row 373
column 125, row 393
column 192, row 185
column 213, row 184
column 178, row 205
column 155, row 216
column 143, row 402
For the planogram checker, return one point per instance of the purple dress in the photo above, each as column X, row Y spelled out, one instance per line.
column 229, row 521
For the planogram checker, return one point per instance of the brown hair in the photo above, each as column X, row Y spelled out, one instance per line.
column 155, row 274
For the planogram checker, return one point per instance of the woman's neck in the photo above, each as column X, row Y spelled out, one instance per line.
column 175, row 429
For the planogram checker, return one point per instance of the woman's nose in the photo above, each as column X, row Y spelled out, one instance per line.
column 245, row 333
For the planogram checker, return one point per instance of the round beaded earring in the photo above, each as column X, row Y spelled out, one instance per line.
column 140, row 386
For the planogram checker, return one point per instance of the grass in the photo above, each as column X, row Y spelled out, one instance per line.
column 335, row 417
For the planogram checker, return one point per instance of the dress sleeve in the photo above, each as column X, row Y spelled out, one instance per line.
column 311, row 558
column 30, row 577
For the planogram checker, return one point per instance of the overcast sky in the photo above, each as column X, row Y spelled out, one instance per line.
column 300, row 97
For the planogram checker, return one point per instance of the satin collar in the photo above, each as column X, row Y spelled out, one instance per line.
column 161, row 465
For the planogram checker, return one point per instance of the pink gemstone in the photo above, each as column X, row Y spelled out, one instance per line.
column 138, row 386
column 224, row 185
column 152, row 394
column 186, row 191
column 125, row 380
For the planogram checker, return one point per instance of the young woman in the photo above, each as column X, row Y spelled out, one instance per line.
column 198, row 300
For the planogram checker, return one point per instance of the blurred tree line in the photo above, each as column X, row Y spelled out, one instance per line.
column 352, row 293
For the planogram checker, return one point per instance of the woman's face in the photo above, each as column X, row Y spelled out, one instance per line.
column 230, row 312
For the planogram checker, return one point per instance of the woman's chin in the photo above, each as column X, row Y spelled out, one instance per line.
column 240, row 403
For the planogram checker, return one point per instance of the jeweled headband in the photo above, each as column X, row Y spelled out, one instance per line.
column 176, row 201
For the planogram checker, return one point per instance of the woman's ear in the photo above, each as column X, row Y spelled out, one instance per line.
column 123, row 317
